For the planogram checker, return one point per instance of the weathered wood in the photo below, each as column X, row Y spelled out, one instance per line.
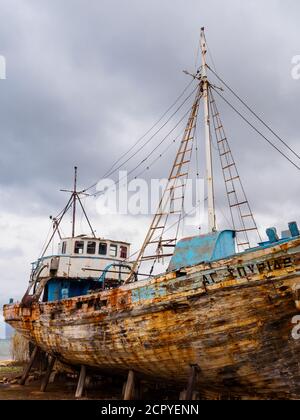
column 52, row 377
column 123, row 389
column 195, row 396
column 191, row 383
column 81, row 382
column 182, row 395
column 238, row 326
column 46, row 378
column 129, row 389
column 28, row 368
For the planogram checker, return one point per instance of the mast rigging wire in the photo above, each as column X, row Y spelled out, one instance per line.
column 254, row 113
column 210, row 54
column 170, row 227
column 152, row 151
column 113, row 168
column 161, row 118
column 256, row 129
column 64, row 211
column 153, row 162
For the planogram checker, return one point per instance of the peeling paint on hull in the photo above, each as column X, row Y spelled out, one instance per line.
column 232, row 318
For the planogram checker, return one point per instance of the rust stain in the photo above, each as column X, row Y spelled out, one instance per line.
column 232, row 318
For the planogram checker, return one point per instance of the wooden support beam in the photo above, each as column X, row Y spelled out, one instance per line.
column 182, row 395
column 81, row 382
column 28, row 368
column 191, row 383
column 46, row 378
column 130, row 384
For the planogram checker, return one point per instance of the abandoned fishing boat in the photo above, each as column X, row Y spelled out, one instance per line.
column 223, row 315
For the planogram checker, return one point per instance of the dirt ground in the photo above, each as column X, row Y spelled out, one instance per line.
column 62, row 389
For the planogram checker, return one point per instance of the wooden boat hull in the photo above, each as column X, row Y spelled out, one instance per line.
column 235, row 319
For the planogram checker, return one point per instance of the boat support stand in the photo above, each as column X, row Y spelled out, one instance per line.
column 28, row 368
column 190, row 393
column 81, row 382
column 47, row 376
column 35, row 355
column 132, row 387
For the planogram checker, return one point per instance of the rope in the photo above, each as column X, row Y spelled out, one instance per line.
column 255, row 114
column 256, row 130
column 152, row 151
column 170, row 227
column 113, row 168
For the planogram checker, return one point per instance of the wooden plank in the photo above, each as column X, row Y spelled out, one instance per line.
column 178, row 176
column 191, row 383
column 129, row 389
column 28, row 368
column 257, row 301
column 81, row 382
column 46, row 378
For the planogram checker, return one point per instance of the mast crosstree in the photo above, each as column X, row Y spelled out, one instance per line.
column 75, row 196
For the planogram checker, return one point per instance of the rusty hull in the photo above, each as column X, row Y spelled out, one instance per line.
column 232, row 318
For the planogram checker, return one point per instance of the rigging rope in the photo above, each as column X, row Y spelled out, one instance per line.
column 171, row 227
column 64, row 211
column 150, row 153
column 113, row 168
column 147, row 168
column 210, row 54
column 256, row 129
column 254, row 113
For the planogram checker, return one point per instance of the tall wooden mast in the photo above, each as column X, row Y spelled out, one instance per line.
column 209, row 165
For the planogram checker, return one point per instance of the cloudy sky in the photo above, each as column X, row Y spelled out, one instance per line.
column 86, row 79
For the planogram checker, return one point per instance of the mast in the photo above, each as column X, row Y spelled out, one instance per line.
column 74, row 202
column 75, row 195
column 209, row 166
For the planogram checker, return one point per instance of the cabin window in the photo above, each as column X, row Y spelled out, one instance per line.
column 102, row 248
column 64, row 248
column 91, row 248
column 113, row 250
column 123, row 251
column 79, row 247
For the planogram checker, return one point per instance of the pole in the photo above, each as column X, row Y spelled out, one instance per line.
column 28, row 368
column 46, row 378
column 209, row 165
column 81, row 382
column 74, row 202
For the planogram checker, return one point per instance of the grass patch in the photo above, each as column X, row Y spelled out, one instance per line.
column 5, row 370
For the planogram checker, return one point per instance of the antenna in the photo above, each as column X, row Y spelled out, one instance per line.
column 74, row 202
